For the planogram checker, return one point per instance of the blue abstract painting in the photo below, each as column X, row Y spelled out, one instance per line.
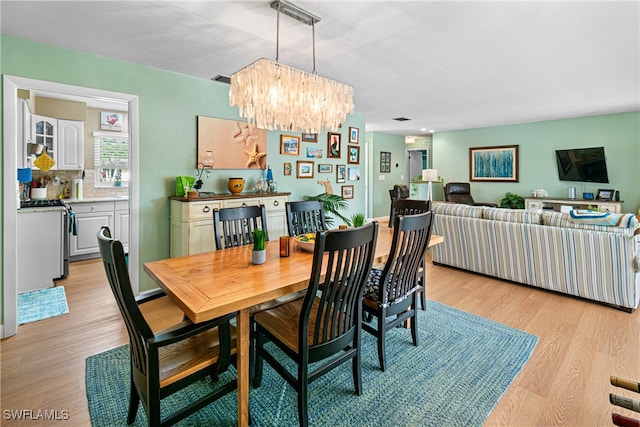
column 494, row 163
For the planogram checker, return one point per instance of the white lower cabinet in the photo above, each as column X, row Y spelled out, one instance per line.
column 192, row 221
column 90, row 217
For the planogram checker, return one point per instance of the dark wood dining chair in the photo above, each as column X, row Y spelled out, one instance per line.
column 391, row 294
column 305, row 216
column 413, row 207
column 169, row 360
column 234, row 226
column 327, row 322
column 398, row 192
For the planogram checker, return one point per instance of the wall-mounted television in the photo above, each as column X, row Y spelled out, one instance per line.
column 582, row 164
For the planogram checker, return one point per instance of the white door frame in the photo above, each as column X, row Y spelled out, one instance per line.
column 11, row 84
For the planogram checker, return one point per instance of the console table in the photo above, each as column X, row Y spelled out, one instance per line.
column 551, row 203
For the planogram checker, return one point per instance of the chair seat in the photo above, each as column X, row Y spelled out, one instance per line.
column 183, row 358
column 285, row 299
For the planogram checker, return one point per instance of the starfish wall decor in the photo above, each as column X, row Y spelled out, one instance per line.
column 254, row 156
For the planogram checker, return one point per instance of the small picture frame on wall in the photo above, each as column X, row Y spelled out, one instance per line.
column 341, row 173
column 314, row 153
column 354, row 135
column 287, row 169
column 110, row 121
column 290, row 145
column 347, row 191
column 309, row 137
column 304, row 169
column 322, row 168
column 354, row 155
column 385, row 161
column 333, row 145
column 354, row 174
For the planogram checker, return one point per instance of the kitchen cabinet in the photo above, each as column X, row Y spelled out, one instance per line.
column 90, row 217
column 192, row 220
column 70, row 145
column 44, row 131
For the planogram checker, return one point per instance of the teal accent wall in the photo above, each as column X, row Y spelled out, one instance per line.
column 379, row 193
column 168, row 106
column 619, row 134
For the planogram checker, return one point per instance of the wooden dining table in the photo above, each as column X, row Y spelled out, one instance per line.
column 212, row 284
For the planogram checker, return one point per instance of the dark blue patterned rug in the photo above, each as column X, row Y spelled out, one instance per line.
column 457, row 375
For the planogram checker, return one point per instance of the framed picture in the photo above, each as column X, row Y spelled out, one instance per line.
column 341, row 173
column 385, row 161
column 354, row 155
column 287, row 169
column 325, row 168
column 110, row 121
column 304, row 169
column 309, row 137
column 347, row 191
column 605, row 195
column 314, row 153
column 354, row 174
column 497, row 164
column 333, row 145
column 290, row 145
column 354, row 135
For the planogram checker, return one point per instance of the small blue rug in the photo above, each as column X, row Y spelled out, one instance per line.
column 455, row 377
column 41, row 304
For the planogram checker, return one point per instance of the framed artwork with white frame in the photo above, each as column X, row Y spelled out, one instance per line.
column 341, row 173
column 304, row 169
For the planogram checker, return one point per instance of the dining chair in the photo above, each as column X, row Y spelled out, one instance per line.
column 398, row 192
column 391, row 294
column 234, row 226
column 164, row 362
column 412, row 207
column 306, row 216
column 327, row 322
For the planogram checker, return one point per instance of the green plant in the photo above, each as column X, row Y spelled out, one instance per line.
column 258, row 239
column 357, row 219
column 512, row 201
column 333, row 204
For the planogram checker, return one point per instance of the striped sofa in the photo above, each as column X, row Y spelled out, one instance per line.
column 542, row 248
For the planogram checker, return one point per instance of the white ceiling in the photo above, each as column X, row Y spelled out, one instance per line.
column 444, row 64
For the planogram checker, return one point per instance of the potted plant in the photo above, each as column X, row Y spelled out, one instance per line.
column 333, row 204
column 512, row 201
column 258, row 254
column 357, row 219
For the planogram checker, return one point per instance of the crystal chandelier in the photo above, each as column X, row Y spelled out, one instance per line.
column 274, row 96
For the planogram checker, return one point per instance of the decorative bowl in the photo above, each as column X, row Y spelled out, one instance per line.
column 306, row 242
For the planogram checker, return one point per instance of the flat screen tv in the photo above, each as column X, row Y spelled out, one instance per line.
column 582, row 164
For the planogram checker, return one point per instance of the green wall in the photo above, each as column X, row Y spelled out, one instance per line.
column 168, row 106
column 379, row 188
column 618, row 133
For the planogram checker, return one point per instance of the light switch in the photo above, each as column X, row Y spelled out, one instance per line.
column 381, row 178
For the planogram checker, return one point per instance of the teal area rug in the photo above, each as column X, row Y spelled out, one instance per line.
column 457, row 375
column 41, row 304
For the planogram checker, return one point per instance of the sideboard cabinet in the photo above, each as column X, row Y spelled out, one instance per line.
column 550, row 203
column 192, row 219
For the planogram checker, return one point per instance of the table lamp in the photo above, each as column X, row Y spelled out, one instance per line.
column 430, row 175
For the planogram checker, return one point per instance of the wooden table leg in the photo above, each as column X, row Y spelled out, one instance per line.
column 243, row 341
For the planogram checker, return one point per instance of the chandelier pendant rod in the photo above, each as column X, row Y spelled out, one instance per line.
column 278, row 34
column 313, row 42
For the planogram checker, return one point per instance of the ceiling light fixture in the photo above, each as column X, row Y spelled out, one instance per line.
column 274, row 96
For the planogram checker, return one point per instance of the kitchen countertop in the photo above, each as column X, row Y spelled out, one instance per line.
column 210, row 196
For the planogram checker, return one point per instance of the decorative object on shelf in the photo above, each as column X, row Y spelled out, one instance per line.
column 494, row 164
column 200, row 169
column 323, row 168
column 571, row 192
column 235, row 185
column 385, row 161
column 221, row 143
column 183, row 184
column 256, row 87
column 310, row 137
column 333, row 145
column 341, row 174
column 604, row 195
column 354, row 135
column 354, row 155
column 347, row 192
column 587, row 196
column 328, row 189
column 290, row 145
column 304, row 169
column 258, row 254
column 512, row 201
column 430, row 175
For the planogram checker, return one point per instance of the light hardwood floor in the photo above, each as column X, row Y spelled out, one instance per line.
column 566, row 381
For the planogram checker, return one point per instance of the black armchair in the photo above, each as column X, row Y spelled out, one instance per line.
column 460, row 192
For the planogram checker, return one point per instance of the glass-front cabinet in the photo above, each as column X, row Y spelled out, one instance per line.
column 45, row 133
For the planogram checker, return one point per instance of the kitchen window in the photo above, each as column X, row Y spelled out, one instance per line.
column 111, row 156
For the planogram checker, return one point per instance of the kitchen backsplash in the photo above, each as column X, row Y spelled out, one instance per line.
column 65, row 179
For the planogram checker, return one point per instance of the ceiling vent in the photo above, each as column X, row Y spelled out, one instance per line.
column 401, row 119
column 222, row 79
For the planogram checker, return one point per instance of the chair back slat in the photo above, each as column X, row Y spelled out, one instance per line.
column 411, row 206
column 337, row 285
column 115, row 266
column 305, row 217
column 399, row 278
column 235, row 226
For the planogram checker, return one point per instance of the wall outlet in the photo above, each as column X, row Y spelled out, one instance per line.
column 401, row 177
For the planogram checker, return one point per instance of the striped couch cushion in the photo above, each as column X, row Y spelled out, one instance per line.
column 513, row 215
column 457, row 209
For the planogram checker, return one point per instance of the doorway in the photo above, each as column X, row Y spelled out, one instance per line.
column 416, row 161
column 11, row 133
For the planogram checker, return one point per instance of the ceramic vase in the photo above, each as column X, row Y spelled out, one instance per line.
column 258, row 257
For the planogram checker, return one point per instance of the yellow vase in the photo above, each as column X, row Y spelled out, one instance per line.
column 235, row 185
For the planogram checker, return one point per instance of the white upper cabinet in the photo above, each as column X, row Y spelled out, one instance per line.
column 44, row 132
column 70, row 145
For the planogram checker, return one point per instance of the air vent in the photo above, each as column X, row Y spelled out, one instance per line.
column 222, row 79
column 401, row 119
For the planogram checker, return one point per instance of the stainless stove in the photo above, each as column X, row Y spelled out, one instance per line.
column 41, row 203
